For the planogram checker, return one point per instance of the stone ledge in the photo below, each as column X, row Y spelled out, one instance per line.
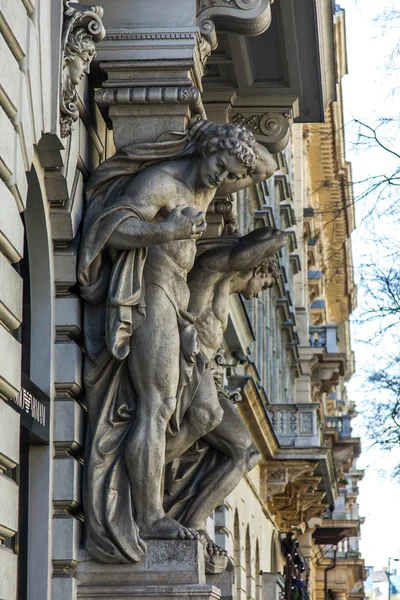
column 166, row 562
column 9, row 436
column 161, row 592
column 171, row 569
column 10, row 364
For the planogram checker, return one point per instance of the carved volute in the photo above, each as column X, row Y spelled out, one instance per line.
column 83, row 27
column 247, row 17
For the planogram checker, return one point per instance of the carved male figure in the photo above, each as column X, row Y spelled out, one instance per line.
column 244, row 265
column 145, row 209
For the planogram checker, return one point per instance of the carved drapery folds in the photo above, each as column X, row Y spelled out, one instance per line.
column 83, row 27
column 248, row 17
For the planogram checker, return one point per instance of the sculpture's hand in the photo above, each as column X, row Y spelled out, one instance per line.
column 186, row 223
column 265, row 168
column 266, row 165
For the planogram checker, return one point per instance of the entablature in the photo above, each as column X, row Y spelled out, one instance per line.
column 299, row 77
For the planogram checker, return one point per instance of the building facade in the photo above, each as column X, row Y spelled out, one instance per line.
column 276, row 68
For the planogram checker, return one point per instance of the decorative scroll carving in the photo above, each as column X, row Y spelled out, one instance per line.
column 205, row 47
column 151, row 95
column 248, row 17
column 291, row 492
column 271, row 128
column 316, row 392
column 83, row 27
column 217, row 367
column 224, row 207
column 279, row 474
column 306, row 424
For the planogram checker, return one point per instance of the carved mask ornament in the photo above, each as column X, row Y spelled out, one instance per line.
column 83, row 27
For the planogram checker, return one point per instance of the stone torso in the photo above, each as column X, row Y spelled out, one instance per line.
column 156, row 191
column 209, row 302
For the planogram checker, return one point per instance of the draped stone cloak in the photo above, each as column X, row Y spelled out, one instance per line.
column 112, row 286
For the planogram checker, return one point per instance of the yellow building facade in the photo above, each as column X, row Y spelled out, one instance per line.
column 305, row 487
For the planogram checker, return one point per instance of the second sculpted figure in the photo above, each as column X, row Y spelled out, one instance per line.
column 205, row 464
column 145, row 209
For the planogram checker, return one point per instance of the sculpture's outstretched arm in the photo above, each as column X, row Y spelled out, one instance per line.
column 246, row 253
column 256, row 245
column 265, row 168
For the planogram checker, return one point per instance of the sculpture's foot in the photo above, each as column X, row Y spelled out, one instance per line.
column 211, row 547
column 166, row 528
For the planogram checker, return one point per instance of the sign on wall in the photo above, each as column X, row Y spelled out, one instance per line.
column 34, row 407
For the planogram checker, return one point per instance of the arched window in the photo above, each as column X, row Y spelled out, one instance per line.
column 249, row 579
column 258, row 576
column 274, row 554
column 236, row 555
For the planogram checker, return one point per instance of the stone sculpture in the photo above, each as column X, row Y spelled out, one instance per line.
column 145, row 209
column 211, row 460
column 83, row 27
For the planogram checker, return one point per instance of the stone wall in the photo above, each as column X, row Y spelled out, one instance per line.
column 42, row 177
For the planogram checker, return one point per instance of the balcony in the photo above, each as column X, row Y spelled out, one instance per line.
column 334, row 531
column 324, row 336
column 340, row 424
column 345, row 447
column 322, row 356
column 296, row 425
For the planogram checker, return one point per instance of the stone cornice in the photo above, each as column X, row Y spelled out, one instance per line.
column 253, row 411
column 247, row 17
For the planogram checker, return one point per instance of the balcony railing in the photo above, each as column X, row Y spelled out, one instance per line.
column 324, row 336
column 341, row 424
column 345, row 550
column 296, row 425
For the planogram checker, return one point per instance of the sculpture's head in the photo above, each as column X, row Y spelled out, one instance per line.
column 229, row 152
column 79, row 53
column 264, row 276
column 255, row 262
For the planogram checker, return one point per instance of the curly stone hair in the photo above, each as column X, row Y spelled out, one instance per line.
column 270, row 266
column 212, row 137
column 79, row 41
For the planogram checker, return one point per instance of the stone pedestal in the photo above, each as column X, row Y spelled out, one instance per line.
column 171, row 569
column 225, row 582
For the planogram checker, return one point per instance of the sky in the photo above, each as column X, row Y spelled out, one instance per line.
column 367, row 95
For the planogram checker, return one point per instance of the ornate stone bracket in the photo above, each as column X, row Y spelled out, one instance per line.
column 278, row 475
column 150, row 110
column 83, row 27
column 270, row 128
column 247, row 17
column 292, row 494
column 218, row 365
column 224, row 209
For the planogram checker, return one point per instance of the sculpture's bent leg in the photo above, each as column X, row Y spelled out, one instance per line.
column 154, row 367
column 203, row 415
column 232, row 439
